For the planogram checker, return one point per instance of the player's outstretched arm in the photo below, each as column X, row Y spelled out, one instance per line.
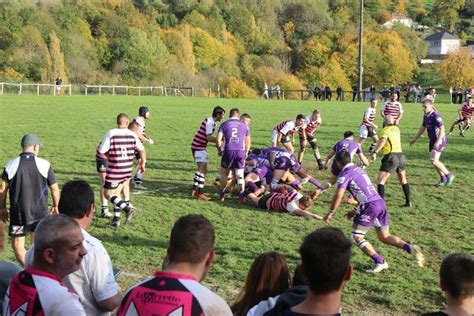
column 307, row 214
column 421, row 130
column 336, row 201
column 328, row 158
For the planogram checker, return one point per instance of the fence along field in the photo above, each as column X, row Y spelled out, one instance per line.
column 441, row 221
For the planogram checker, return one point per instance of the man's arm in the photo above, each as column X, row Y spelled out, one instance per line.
column 3, row 201
column 421, row 130
column 336, row 201
column 271, row 159
column 111, row 303
column 329, row 157
column 219, row 141
column 55, row 196
column 441, row 134
column 306, row 214
column 377, row 148
column 397, row 121
column 248, row 143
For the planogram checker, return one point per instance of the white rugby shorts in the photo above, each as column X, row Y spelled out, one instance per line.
column 200, row 156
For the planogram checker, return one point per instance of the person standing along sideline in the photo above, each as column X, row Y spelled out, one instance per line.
column 433, row 124
column 27, row 179
column 58, row 82
column 203, row 136
column 234, row 135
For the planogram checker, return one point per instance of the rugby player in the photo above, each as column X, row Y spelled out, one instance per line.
column 233, row 144
column 392, row 107
column 371, row 211
column 393, row 159
column 312, row 123
column 292, row 202
column 464, row 119
column 368, row 127
column 433, row 124
column 119, row 145
column 203, row 136
column 286, row 129
column 143, row 115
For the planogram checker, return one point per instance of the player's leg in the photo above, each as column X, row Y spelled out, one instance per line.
column 250, row 182
column 239, row 175
column 126, row 198
column 200, row 157
column 382, row 178
column 384, row 236
column 362, row 135
column 358, row 238
column 302, row 149
column 254, row 198
column 18, row 245
column 308, row 178
column 455, row 123
column 138, row 177
column 446, row 177
column 402, row 179
column 274, row 138
column 277, row 175
column 112, row 192
column 313, row 142
column 224, row 172
column 289, row 147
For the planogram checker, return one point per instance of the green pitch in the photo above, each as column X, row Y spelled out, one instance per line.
column 441, row 221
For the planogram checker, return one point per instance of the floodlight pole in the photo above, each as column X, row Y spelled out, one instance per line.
column 361, row 34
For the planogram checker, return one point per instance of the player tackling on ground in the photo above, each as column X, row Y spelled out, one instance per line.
column 370, row 212
column 433, row 124
column 203, row 136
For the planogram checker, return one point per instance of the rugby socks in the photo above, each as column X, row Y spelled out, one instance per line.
column 372, row 147
column 443, row 178
column 381, row 190
column 117, row 212
column 138, row 178
column 199, row 179
column 407, row 247
column 320, row 163
column 315, row 182
column 448, row 175
column 296, row 184
column 406, row 191
column 118, row 203
column 104, row 208
column 377, row 258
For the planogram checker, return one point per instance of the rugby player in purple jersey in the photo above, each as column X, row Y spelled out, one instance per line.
column 234, row 136
column 433, row 124
column 371, row 211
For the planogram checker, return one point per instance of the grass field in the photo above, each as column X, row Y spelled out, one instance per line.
column 441, row 221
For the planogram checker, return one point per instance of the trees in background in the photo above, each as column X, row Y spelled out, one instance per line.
column 295, row 43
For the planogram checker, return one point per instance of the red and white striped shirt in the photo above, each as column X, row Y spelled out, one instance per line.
column 120, row 145
column 285, row 202
column 392, row 108
column 369, row 116
column 467, row 110
column 207, row 127
column 310, row 126
column 287, row 127
column 98, row 155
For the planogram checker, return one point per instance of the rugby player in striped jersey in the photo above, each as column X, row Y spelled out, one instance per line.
column 312, row 123
column 368, row 127
column 204, row 135
column 119, row 145
column 284, row 132
column 464, row 119
column 392, row 107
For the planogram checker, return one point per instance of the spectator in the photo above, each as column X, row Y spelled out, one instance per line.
column 325, row 265
column 265, row 91
column 322, row 93
column 268, row 276
column 58, row 82
column 7, row 269
column 354, row 92
column 278, row 91
column 328, row 93
column 454, row 95
column 94, row 282
column 276, row 304
column 339, row 94
column 316, row 91
column 460, row 95
column 457, row 281
column 270, row 91
column 190, row 256
column 38, row 290
column 27, row 178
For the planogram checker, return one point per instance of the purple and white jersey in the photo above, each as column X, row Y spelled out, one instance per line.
column 433, row 122
column 259, row 159
column 357, row 182
column 347, row 145
column 267, row 151
column 234, row 132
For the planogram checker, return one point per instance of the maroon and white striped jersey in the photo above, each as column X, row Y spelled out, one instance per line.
column 287, row 127
column 466, row 110
column 310, row 126
column 207, row 127
column 120, row 145
column 392, row 108
column 285, row 202
column 98, row 155
column 369, row 116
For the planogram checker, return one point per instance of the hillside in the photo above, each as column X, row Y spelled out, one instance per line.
column 238, row 43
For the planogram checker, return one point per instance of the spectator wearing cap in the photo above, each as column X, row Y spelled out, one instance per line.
column 27, row 179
